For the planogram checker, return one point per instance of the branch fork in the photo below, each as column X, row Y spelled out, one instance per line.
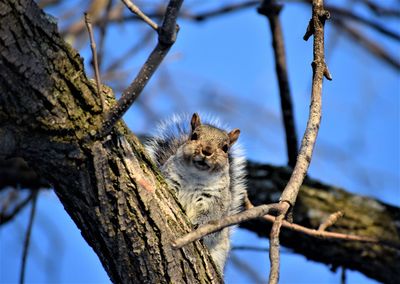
column 167, row 34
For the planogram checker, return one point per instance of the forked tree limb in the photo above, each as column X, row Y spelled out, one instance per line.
column 363, row 216
column 167, row 34
column 135, row 9
column 111, row 190
column 289, row 194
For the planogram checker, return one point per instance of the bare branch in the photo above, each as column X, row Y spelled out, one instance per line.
column 272, row 10
column 4, row 218
column 351, row 15
column 220, row 11
column 319, row 68
column 262, row 211
column 289, row 194
column 343, row 276
column 274, row 254
column 381, row 11
column 166, row 38
column 217, row 225
column 370, row 45
column 103, row 28
column 343, row 13
column 88, row 23
column 330, row 220
column 28, row 237
column 134, row 9
column 323, row 235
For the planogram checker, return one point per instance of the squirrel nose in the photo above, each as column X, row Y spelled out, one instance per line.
column 207, row 151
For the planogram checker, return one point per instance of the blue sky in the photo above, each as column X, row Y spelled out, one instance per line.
column 225, row 67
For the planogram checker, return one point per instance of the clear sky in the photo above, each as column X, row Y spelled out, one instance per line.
column 225, row 67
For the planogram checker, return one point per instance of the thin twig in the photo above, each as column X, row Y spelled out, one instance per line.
column 272, row 10
column 251, row 248
column 217, row 225
column 261, row 211
column 343, row 276
column 289, row 194
column 28, row 237
column 135, row 9
column 320, row 234
column 103, row 27
column 274, row 253
column 343, row 13
column 166, row 38
column 382, row 11
column 330, row 220
column 220, row 11
column 316, row 27
column 325, row 235
column 88, row 23
column 143, row 41
column 4, row 218
column 370, row 45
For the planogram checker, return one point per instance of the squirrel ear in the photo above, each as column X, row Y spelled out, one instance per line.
column 233, row 136
column 195, row 122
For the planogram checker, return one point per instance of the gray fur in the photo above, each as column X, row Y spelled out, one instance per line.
column 205, row 194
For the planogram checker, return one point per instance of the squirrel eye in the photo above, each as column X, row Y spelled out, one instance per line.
column 194, row 136
column 225, row 148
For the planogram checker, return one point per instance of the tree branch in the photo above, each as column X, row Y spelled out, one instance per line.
column 363, row 216
column 28, row 238
column 289, row 194
column 319, row 70
column 4, row 217
column 134, row 9
column 167, row 34
column 95, row 63
column 111, row 189
column 370, row 45
column 272, row 10
column 217, row 225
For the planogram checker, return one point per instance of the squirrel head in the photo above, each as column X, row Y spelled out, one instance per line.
column 208, row 146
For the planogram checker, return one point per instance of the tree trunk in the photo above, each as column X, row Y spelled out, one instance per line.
column 49, row 112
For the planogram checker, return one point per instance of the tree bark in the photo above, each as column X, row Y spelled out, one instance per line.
column 48, row 114
column 363, row 216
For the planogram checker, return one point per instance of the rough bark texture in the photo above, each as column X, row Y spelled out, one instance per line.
column 113, row 193
column 362, row 216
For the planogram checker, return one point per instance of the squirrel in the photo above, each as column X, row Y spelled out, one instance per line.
column 206, row 169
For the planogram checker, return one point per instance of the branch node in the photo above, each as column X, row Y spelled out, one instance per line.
column 327, row 74
column 167, row 36
column 269, row 8
column 135, row 9
column 324, row 15
column 216, row 225
column 309, row 31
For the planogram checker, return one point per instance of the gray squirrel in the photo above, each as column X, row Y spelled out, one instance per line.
column 205, row 167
